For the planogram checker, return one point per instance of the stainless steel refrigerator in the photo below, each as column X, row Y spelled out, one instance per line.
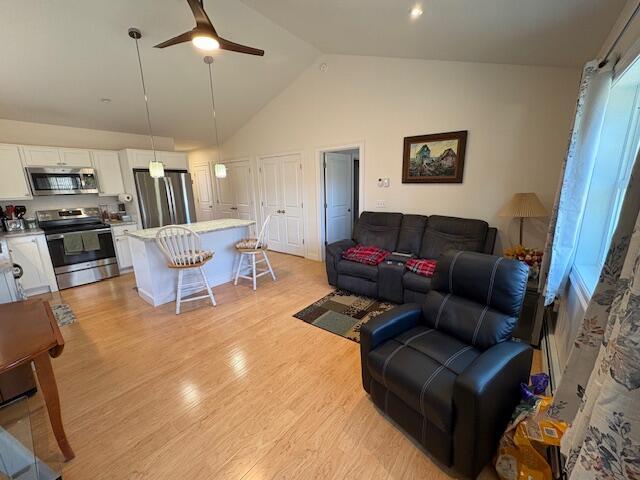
column 165, row 201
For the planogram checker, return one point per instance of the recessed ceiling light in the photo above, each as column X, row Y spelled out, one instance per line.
column 105, row 100
column 416, row 11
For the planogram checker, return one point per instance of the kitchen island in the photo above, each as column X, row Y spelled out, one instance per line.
column 157, row 282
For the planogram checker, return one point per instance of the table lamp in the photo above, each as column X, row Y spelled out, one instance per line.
column 523, row 205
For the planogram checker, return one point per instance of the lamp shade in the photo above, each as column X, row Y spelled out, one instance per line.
column 523, row 205
column 220, row 170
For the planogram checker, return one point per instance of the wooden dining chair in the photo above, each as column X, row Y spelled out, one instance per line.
column 249, row 248
column 181, row 246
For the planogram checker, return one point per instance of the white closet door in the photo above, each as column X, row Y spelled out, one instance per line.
column 282, row 198
column 338, row 173
column 271, row 173
column 204, row 197
column 292, row 205
column 225, row 206
column 243, row 189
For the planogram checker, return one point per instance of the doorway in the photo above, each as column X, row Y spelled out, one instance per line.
column 341, row 182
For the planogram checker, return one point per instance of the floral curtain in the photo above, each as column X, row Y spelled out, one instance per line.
column 599, row 392
column 571, row 197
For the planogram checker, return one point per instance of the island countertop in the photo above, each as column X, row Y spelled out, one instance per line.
column 149, row 234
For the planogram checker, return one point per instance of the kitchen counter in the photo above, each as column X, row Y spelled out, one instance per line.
column 22, row 233
column 117, row 223
column 157, row 282
column 149, row 234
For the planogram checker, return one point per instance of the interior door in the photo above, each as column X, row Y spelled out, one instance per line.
column 204, row 196
column 225, row 202
column 292, row 205
column 338, row 187
column 282, row 198
column 242, row 189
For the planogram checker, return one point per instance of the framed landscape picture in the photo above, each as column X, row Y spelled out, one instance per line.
column 437, row 158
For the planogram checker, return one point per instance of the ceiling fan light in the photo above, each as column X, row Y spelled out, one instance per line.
column 205, row 42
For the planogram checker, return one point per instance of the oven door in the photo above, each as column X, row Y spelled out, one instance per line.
column 63, row 262
column 62, row 181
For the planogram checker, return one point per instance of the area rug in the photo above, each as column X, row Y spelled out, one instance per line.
column 343, row 313
column 63, row 314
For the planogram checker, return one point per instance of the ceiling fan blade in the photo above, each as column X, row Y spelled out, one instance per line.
column 184, row 37
column 236, row 47
column 202, row 19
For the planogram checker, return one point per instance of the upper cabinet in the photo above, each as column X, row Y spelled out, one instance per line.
column 171, row 160
column 74, row 157
column 13, row 181
column 36, row 156
column 107, row 166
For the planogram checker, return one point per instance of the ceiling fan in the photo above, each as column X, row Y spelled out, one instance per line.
column 204, row 36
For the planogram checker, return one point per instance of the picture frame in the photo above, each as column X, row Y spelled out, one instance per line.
column 435, row 158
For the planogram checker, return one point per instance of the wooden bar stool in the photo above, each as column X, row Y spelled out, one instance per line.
column 181, row 246
column 249, row 248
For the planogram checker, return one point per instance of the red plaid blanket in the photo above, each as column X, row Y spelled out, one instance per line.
column 422, row 266
column 366, row 255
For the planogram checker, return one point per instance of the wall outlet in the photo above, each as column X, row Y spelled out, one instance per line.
column 380, row 204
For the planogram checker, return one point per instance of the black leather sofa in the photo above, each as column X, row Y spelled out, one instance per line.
column 446, row 370
column 415, row 235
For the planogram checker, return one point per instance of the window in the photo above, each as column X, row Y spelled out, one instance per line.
column 619, row 141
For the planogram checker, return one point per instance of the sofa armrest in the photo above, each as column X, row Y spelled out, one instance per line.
column 484, row 397
column 384, row 327
column 490, row 240
column 333, row 254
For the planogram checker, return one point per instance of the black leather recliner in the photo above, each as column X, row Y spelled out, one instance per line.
column 446, row 371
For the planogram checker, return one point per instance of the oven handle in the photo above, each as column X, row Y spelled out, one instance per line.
column 60, row 236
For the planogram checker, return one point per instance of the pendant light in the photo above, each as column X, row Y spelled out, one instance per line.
column 219, row 169
column 156, row 168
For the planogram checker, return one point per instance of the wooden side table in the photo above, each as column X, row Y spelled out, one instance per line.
column 527, row 328
column 29, row 333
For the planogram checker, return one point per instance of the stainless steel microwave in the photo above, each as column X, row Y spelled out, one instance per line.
column 62, row 181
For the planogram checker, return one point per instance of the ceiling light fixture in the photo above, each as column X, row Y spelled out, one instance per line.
column 416, row 11
column 105, row 100
column 220, row 170
column 205, row 42
column 156, row 168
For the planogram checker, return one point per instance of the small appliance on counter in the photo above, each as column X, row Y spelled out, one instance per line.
column 12, row 218
column 31, row 223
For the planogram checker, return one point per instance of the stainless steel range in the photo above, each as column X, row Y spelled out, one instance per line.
column 80, row 244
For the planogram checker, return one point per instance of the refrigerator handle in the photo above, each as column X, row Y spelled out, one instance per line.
column 172, row 200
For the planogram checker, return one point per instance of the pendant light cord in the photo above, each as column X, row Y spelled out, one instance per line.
column 213, row 103
column 146, row 101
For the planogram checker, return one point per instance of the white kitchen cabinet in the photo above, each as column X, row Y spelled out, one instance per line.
column 35, row 156
column 123, row 251
column 32, row 254
column 171, row 160
column 174, row 160
column 13, row 181
column 107, row 166
column 75, row 157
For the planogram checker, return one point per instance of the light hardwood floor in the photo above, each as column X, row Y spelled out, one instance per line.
column 238, row 391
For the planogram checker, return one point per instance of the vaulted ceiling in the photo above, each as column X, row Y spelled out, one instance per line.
column 564, row 33
column 60, row 58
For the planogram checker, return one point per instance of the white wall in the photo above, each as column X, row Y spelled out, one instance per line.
column 518, row 120
column 26, row 133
